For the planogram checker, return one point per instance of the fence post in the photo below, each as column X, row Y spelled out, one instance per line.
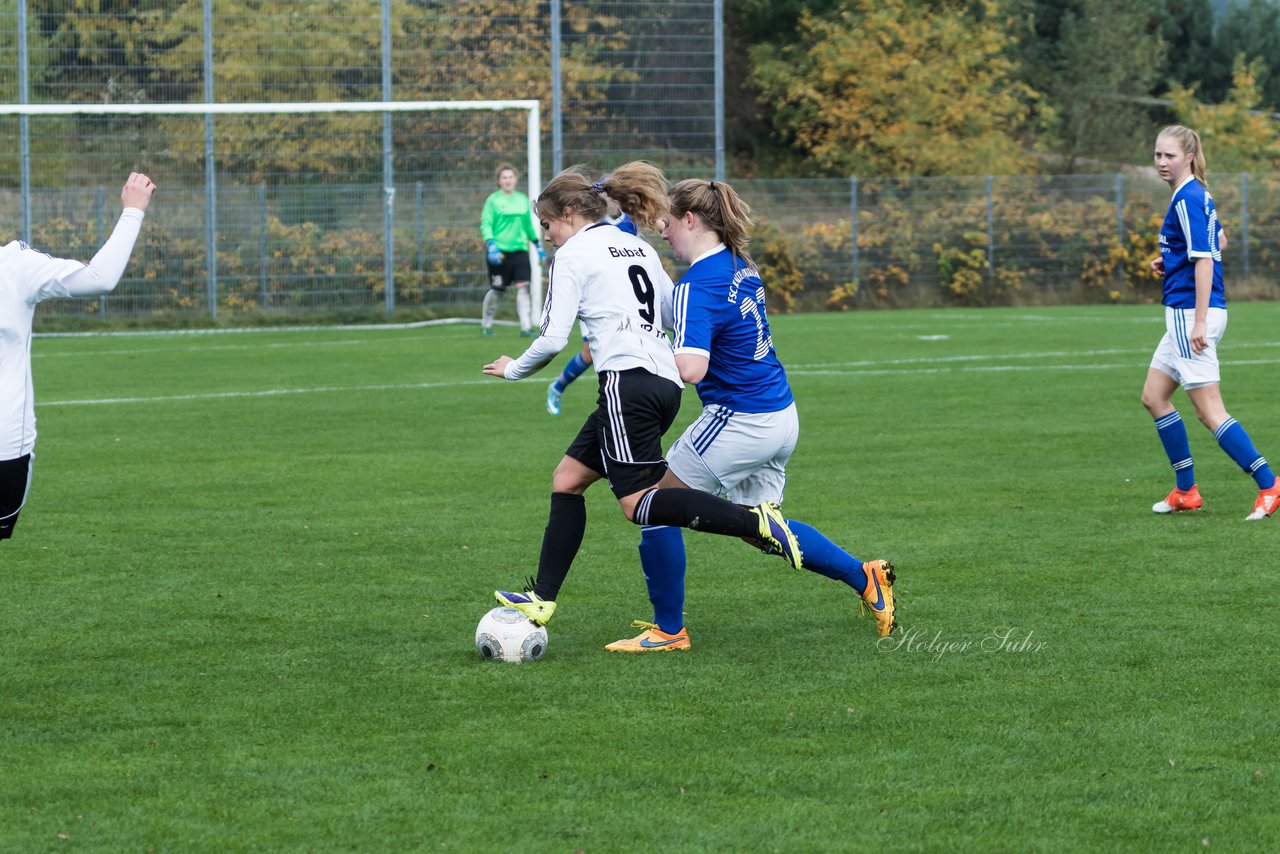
column 420, row 227
column 1120, row 207
column 210, row 171
column 262, row 242
column 388, row 175
column 24, row 124
column 1244, row 220
column 991, row 239
column 557, row 118
column 100, row 214
column 853, row 219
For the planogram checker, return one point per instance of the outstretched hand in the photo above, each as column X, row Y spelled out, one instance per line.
column 137, row 191
column 497, row 368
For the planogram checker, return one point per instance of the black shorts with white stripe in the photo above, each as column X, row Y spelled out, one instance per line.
column 513, row 268
column 15, row 478
column 622, row 438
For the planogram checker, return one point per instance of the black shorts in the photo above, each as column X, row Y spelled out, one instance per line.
column 15, row 478
column 622, row 438
column 514, row 268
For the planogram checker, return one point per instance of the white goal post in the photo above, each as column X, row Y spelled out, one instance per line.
column 533, row 167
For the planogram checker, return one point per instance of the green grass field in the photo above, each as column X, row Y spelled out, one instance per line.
column 238, row 611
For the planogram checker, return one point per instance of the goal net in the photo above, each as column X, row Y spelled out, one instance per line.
column 346, row 208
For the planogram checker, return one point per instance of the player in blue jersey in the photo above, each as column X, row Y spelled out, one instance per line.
column 614, row 215
column 740, row 445
column 613, row 283
column 1195, row 319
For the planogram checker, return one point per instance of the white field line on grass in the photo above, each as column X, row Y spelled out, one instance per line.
column 271, row 392
column 884, row 367
column 249, row 330
column 202, row 348
column 984, row 369
column 991, row 357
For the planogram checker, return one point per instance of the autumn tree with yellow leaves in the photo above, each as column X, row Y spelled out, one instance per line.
column 881, row 88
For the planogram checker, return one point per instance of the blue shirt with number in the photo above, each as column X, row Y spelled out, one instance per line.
column 719, row 314
column 1191, row 230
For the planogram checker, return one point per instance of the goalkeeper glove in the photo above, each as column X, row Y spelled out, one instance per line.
column 542, row 253
column 491, row 249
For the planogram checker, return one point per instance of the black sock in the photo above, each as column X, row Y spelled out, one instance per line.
column 560, row 542
column 700, row 511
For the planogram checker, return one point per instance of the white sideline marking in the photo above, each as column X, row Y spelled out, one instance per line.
column 271, row 392
column 871, row 372
column 985, row 369
column 151, row 333
column 160, row 351
column 991, row 357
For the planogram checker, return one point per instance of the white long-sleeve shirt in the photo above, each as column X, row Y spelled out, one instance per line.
column 615, row 284
column 28, row 277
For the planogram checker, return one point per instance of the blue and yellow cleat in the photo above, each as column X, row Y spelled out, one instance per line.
column 775, row 536
column 553, row 398
column 538, row 610
column 878, row 597
column 653, row 639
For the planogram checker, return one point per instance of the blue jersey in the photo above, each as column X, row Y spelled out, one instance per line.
column 1190, row 231
column 719, row 313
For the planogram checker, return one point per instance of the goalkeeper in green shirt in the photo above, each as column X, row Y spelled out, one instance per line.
column 506, row 224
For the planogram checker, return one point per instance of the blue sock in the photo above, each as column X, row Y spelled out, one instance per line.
column 1239, row 447
column 662, row 558
column 824, row 557
column 1173, row 435
column 571, row 372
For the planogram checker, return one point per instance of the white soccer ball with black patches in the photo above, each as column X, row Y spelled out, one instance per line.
column 505, row 634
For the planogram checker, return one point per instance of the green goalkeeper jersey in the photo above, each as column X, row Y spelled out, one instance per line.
column 507, row 221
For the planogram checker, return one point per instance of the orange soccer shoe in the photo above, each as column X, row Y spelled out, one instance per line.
column 1266, row 503
column 878, row 597
column 1179, row 501
column 653, row 639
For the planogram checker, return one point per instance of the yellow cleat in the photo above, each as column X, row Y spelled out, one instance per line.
column 775, row 536
column 653, row 639
column 878, row 597
column 538, row 610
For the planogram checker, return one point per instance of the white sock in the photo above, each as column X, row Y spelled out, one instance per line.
column 489, row 307
column 522, row 307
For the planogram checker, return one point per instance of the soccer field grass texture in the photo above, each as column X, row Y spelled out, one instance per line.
column 238, row 610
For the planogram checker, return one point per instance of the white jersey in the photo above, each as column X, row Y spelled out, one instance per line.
column 28, row 277
column 614, row 283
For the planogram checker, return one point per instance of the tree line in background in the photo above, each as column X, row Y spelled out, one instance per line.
column 814, row 87
column 962, row 87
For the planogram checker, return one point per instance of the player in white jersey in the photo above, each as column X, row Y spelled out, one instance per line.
column 740, row 445
column 1195, row 303
column 614, row 284
column 28, row 277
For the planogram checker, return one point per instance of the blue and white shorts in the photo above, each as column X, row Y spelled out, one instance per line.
column 741, row 456
column 1174, row 355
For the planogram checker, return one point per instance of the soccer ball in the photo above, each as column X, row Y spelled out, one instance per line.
column 505, row 634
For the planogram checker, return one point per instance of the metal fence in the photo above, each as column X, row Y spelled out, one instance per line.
column 300, row 211
column 820, row 243
column 299, row 200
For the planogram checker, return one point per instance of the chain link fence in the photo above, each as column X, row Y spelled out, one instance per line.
column 302, row 206
column 304, row 221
